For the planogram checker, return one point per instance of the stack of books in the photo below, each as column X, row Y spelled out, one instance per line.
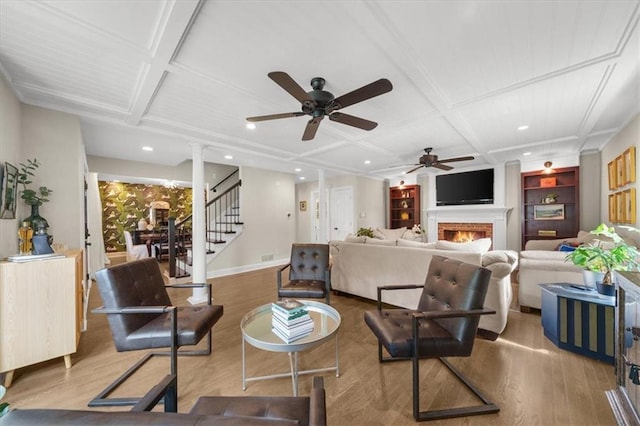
column 290, row 320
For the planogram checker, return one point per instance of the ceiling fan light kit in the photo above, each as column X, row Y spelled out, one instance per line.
column 319, row 103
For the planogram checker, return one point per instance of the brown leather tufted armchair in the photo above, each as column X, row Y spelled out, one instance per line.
column 309, row 273
column 444, row 324
column 141, row 316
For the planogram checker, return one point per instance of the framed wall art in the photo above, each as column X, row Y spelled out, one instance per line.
column 630, row 206
column 9, row 191
column 620, row 171
column 548, row 212
column 620, row 208
column 612, row 209
column 613, row 176
column 630, row 165
column 303, row 206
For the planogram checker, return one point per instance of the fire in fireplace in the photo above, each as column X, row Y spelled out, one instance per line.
column 463, row 236
column 464, row 232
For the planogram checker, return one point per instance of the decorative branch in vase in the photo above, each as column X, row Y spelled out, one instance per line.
column 32, row 197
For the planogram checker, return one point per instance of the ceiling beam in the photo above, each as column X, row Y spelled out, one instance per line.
column 173, row 28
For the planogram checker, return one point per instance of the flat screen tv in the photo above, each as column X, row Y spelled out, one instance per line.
column 457, row 189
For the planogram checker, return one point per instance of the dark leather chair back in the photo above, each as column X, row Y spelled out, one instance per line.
column 454, row 285
column 309, row 262
column 137, row 283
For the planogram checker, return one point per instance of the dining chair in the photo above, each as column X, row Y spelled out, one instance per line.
column 135, row 252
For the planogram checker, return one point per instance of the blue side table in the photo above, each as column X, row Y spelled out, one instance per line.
column 578, row 319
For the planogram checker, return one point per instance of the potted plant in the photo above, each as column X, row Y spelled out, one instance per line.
column 605, row 257
column 32, row 197
column 365, row 232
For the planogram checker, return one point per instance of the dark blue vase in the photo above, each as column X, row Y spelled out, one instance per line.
column 38, row 223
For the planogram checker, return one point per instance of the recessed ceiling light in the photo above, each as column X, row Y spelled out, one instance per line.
column 228, row 157
column 147, row 148
column 302, row 178
column 523, row 127
column 526, row 153
column 367, row 161
column 251, row 126
column 298, row 169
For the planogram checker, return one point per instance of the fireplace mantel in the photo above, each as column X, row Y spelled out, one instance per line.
column 496, row 215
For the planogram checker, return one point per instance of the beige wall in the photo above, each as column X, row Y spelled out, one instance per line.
column 512, row 199
column 590, row 189
column 10, row 140
column 266, row 199
column 213, row 173
column 627, row 137
column 368, row 205
column 54, row 138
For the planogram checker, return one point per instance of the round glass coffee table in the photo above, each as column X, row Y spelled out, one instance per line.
column 256, row 330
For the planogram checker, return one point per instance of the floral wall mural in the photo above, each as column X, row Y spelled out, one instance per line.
column 124, row 204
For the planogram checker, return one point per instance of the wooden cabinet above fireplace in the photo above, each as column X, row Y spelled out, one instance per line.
column 404, row 206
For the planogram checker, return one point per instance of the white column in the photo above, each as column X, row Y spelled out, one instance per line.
column 198, row 238
column 322, row 199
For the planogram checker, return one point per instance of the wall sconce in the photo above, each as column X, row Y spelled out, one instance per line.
column 547, row 167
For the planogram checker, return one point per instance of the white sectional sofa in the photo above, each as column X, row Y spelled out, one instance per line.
column 541, row 263
column 361, row 264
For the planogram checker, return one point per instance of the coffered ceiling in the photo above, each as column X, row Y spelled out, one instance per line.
column 465, row 75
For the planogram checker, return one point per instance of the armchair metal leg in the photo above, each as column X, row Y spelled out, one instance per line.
column 102, row 400
column 486, row 408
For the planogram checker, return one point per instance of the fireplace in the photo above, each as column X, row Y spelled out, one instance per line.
column 464, row 232
column 490, row 218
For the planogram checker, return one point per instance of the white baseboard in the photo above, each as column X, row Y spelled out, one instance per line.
column 246, row 268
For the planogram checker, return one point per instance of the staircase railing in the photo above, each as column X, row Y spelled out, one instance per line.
column 222, row 214
column 214, row 189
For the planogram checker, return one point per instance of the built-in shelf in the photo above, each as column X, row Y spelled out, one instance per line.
column 563, row 183
column 404, row 206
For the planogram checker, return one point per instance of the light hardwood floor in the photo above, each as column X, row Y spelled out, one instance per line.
column 532, row 381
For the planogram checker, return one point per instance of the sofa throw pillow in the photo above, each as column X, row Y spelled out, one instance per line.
column 378, row 242
column 354, row 239
column 481, row 245
column 389, row 234
column 411, row 236
column 418, row 244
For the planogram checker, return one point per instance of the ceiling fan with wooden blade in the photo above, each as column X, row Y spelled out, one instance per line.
column 431, row 160
column 319, row 103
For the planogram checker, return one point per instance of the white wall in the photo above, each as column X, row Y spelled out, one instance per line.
column 10, row 140
column 267, row 208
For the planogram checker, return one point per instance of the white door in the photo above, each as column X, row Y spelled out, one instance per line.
column 315, row 219
column 341, row 213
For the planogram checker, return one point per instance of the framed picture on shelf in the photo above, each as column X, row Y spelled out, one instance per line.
column 630, row 205
column 613, row 176
column 620, row 208
column 620, row 171
column 630, row 164
column 612, row 209
column 548, row 212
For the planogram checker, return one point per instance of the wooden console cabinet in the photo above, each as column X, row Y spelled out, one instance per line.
column 40, row 311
